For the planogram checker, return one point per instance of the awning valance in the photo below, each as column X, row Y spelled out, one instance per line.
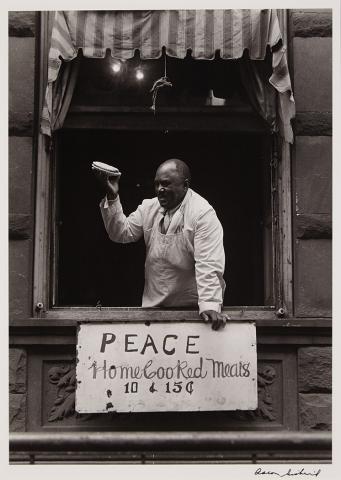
column 202, row 31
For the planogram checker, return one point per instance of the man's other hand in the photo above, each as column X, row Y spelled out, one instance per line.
column 217, row 319
column 109, row 184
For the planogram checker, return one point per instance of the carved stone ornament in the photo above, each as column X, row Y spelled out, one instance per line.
column 64, row 377
column 265, row 378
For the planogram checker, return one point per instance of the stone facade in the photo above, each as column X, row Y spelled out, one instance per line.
column 316, row 23
column 315, row 411
column 22, row 45
column 311, row 60
column 22, row 24
column 17, row 389
column 315, row 369
column 315, row 387
column 17, row 412
column 309, row 375
column 22, row 48
column 312, row 167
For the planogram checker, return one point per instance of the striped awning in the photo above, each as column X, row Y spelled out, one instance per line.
column 204, row 32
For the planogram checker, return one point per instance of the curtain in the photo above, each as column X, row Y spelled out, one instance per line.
column 255, row 80
column 59, row 97
column 204, row 32
column 280, row 80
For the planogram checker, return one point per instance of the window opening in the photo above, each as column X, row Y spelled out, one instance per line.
column 231, row 171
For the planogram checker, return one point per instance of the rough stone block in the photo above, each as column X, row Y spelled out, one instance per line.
column 315, row 369
column 21, row 24
column 17, row 370
column 313, row 123
column 313, row 278
column 313, row 74
column 20, row 174
column 17, row 412
column 313, row 175
column 21, row 124
column 310, row 10
column 315, row 411
column 21, row 58
column 19, row 278
column 312, row 24
column 313, row 226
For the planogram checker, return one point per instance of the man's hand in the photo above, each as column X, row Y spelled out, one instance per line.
column 217, row 319
column 109, row 184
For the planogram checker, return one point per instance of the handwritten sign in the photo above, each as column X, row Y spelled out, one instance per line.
column 166, row 367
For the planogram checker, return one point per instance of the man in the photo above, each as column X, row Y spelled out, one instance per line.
column 184, row 242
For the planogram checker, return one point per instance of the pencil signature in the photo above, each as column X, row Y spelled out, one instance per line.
column 289, row 473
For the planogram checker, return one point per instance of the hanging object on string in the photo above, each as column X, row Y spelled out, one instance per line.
column 161, row 82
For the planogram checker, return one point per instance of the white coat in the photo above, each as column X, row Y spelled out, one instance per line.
column 185, row 266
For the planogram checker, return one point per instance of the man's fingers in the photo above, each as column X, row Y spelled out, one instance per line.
column 101, row 176
column 109, row 183
column 220, row 321
column 217, row 319
column 226, row 318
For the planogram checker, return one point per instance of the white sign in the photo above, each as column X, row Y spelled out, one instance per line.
column 166, row 367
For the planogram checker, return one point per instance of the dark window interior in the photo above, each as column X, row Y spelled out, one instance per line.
column 193, row 82
column 230, row 171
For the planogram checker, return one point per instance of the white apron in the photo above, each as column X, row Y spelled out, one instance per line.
column 170, row 268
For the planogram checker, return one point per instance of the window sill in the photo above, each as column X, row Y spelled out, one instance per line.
column 270, row 329
column 139, row 314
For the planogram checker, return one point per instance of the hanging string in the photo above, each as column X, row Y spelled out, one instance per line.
column 161, row 82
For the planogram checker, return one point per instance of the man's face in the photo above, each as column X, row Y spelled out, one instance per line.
column 170, row 187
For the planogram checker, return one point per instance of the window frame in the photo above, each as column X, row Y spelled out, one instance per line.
column 45, row 247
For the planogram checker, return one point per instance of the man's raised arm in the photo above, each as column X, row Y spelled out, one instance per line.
column 120, row 228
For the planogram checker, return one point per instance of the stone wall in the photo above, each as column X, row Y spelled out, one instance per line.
column 315, row 387
column 311, row 48
column 17, row 389
column 22, row 50
column 311, row 62
column 310, row 56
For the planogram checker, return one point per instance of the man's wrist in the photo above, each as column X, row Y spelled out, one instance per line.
column 204, row 306
column 111, row 196
column 107, row 202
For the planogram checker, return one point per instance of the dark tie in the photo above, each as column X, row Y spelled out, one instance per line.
column 165, row 221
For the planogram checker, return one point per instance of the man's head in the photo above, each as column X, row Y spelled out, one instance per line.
column 171, row 182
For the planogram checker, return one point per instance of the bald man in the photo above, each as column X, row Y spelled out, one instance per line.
column 185, row 258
